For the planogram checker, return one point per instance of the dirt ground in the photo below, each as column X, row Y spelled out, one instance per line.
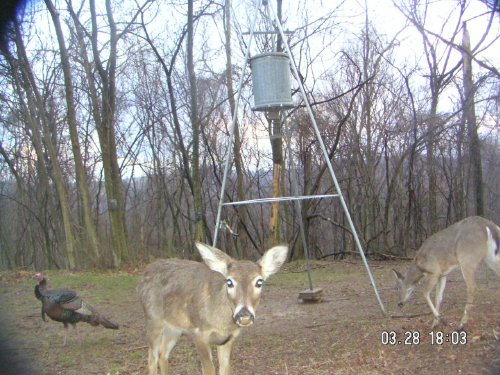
column 346, row 333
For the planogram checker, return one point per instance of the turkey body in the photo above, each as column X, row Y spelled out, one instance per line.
column 65, row 306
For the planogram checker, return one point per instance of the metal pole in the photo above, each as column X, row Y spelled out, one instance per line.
column 233, row 125
column 328, row 163
column 280, row 199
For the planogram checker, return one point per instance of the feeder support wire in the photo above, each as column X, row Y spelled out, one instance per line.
column 279, row 199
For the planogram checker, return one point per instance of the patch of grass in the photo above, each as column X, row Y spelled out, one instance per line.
column 110, row 281
column 98, row 288
column 287, row 279
column 66, row 359
column 323, row 274
column 135, row 356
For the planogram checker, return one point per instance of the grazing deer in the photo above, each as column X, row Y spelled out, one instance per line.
column 209, row 304
column 464, row 244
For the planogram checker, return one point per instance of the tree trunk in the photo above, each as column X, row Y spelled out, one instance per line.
column 469, row 114
column 195, row 124
column 242, row 242
column 275, row 132
column 274, row 120
column 81, row 178
column 431, row 166
column 103, row 114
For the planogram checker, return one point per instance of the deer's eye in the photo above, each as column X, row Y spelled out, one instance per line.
column 259, row 283
column 229, row 283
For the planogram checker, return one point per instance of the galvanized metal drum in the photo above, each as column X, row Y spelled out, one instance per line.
column 271, row 81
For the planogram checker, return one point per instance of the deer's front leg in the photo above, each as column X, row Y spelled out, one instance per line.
column 169, row 339
column 224, row 357
column 205, row 356
column 440, row 291
column 154, row 334
column 432, row 280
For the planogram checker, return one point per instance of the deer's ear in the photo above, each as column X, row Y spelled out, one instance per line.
column 272, row 260
column 215, row 259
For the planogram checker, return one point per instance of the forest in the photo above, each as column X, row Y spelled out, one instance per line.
column 116, row 117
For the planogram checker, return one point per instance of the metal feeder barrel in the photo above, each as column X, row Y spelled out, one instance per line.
column 271, row 81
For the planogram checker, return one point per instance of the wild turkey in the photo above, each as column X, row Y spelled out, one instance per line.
column 67, row 307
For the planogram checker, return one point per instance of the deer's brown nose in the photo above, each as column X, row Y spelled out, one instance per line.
column 243, row 317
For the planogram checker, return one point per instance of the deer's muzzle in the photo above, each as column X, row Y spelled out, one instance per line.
column 243, row 317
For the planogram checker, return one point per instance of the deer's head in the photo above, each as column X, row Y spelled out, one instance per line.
column 243, row 280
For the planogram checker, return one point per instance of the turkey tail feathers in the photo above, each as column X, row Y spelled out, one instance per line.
column 107, row 323
column 90, row 315
column 96, row 319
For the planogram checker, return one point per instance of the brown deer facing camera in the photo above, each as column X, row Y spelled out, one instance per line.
column 464, row 244
column 208, row 302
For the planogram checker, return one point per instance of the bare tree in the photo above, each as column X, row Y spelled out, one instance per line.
column 276, row 137
column 195, row 124
column 441, row 71
column 89, row 231
column 242, row 243
column 469, row 114
column 102, row 92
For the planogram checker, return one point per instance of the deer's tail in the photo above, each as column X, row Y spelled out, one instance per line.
column 493, row 248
